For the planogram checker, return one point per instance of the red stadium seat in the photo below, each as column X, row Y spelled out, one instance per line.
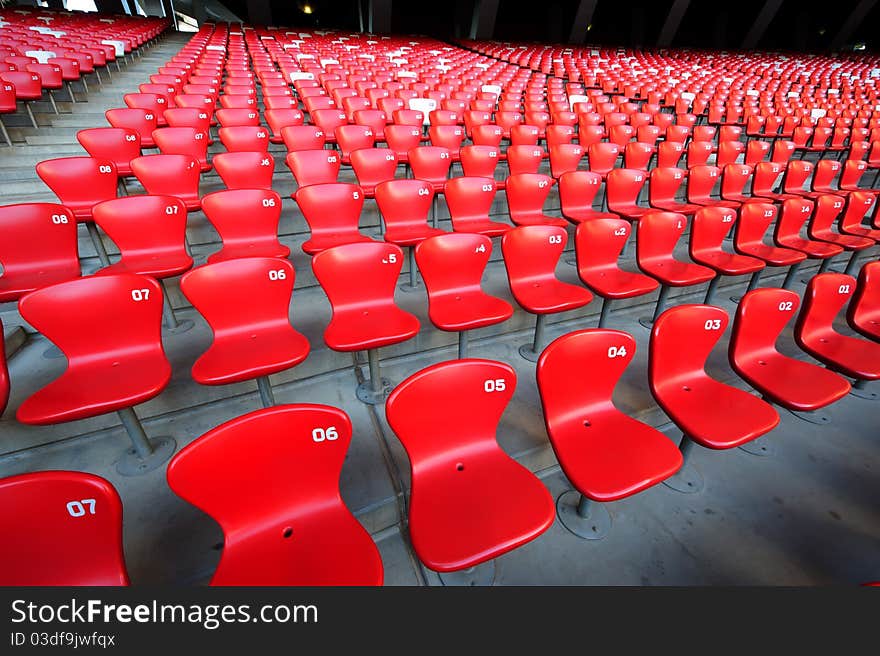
column 622, row 190
column 452, row 266
column 708, row 412
column 332, row 212
column 828, row 208
column 359, row 281
column 524, row 159
column 526, row 195
column 252, row 344
column 170, row 175
column 184, row 141
column 107, row 370
column 577, row 194
column 598, row 244
column 119, row 145
column 310, row 167
column 4, row 376
column 710, row 226
column 244, row 138
column 190, row 117
column 795, row 213
column 858, row 205
column 142, row 121
column 863, row 314
column 278, row 119
column 301, row 535
column 247, row 222
column 664, row 186
column 303, row 137
column 658, row 235
column 470, row 201
column 372, row 166
column 531, row 254
column 353, row 137
column 606, row 454
column 814, row 332
column 481, row 162
column 39, row 248
column 231, row 117
column 565, row 157
column 44, row 509
column 461, row 476
column 431, row 164
column 245, row 170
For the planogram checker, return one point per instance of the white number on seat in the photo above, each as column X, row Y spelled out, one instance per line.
column 497, row 385
column 480, row 249
column 805, row 209
column 138, row 295
column 424, row 192
column 103, row 168
column 355, row 195
column 542, row 184
column 58, row 219
column 785, row 306
column 321, row 434
column 555, row 239
column 843, row 289
column 392, row 258
column 620, row 231
column 268, row 202
column 78, row 508
column 277, row 274
column 768, row 214
column 130, row 137
column 487, row 187
column 726, row 218
column 264, row 161
column 171, row 209
column 712, row 324
column 616, row 351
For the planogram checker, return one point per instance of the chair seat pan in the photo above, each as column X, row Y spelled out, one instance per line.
column 793, row 384
column 360, row 330
column 716, row 415
column 729, row 263
column 683, row 208
column 327, row 240
column 538, row 219
column 813, row 249
column 617, row 283
column 633, row 212
column 13, row 287
column 267, row 248
column 579, row 216
column 677, row 273
column 410, row 236
column 97, row 388
column 327, row 547
column 615, row 456
column 250, row 354
column 160, row 265
column 488, row 228
column 773, row 255
column 851, row 356
column 452, row 525
column 550, row 295
column 848, row 242
column 467, row 311
column 861, row 231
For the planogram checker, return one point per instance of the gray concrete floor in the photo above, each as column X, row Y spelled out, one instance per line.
column 810, row 514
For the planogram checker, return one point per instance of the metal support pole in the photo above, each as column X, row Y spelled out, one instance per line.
column 792, row 272
column 606, row 310
column 533, row 352
column 710, row 292
column 267, row 398
column 753, row 282
column 97, row 243
column 52, row 100
column 826, row 264
column 30, row 112
column 661, row 302
column 852, row 265
column 686, row 446
column 82, row 79
column 462, row 344
column 375, row 373
column 136, row 433
column 70, row 91
column 434, row 219
column 5, row 134
column 584, row 507
column 168, row 311
column 583, row 517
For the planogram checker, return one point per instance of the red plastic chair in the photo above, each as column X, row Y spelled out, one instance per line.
column 27, row 89
column 606, row 454
column 278, row 119
column 795, row 213
column 565, row 157
column 4, row 376
column 598, row 245
column 487, row 135
column 531, row 254
column 447, row 416
column 39, row 248
column 359, row 281
column 199, row 118
column 303, row 137
column 708, row 412
column 452, row 266
column 828, row 208
column 142, row 121
column 447, row 136
column 111, row 369
column 80, row 183
column 481, row 162
column 184, row 141
column 526, row 195
column 247, row 222
column 622, row 190
column 814, row 332
column 524, row 159
column 301, row 534
column 238, row 116
column 858, row 206
column 404, row 205
column 170, row 175
column 659, row 233
column 44, row 509
column 402, row 138
column 796, row 385
column 245, row 170
column 710, row 226
column 863, row 313
column 577, row 194
column 353, row 137
column 431, row 164
column 469, row 201
column 247, row 345
column 313, row 166
column 119, row 145
column 244, row 138
column 664, row 186
column 332, row 212
column 373, row 166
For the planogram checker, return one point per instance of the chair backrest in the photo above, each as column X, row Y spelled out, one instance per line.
column 372, row 166
column 402, row 138
column 858, row 205
column 183, row 141
column 450, row 410
column 761, row 316
column 603, row 156
column 189, row 117
column 754, row 219
column 143, row 121
column 765, row 177
column 244, row 138
column 531, row 254
column 578, row 190
column 229, row 117
column 127, row 306
column 637, row 155
column 469, row 200
column 681, row 340
column 453, row 263
column 524, row 159
column 303, row 137
column 480, row 161
column 487, row 135
column 119, row 145
column 728, row 152
column 319, row 166
column 404, row 203
column 299, row 451
column 828, row 208
column 245, row 170
column 79, row 182
column 710, row 226
column 565, row 157
column 795, row 213
column 277, row 119
column 864, row 309
column 430, row 163
column 623, row 187
column 825, row 296
column 659, row 233
column 701, row 182
column 244, row 216
column 169, row 175
column 354, row 137
column 43, row 510
column 39, row 247
column 141, row 225
column 664, row 184
column 797, row 172
column 526, row 194
column 331, row 208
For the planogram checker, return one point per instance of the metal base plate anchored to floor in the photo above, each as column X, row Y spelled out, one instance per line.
column 688, row 480
column 130, row 464
column 759, row 447
column 482, row 575
column 595, row 525
column 366, row 393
